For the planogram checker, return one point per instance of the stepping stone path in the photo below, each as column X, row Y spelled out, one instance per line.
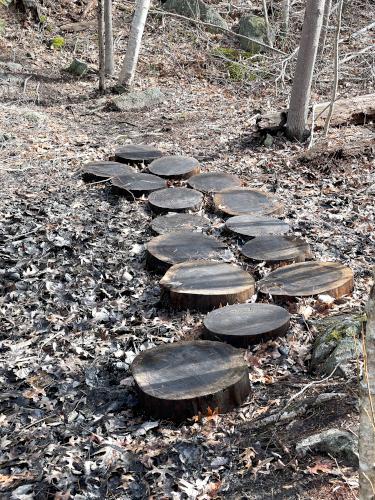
column 183, row 379
column 239, row 201
column 173, row 222
column 174, row 167
column 244, row 324
column 277, row 249
column 173, row 248
column 212, row 182
column 254, row 225
column 176, row 199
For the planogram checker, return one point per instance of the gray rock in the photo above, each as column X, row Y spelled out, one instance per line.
column 340, row 444
column 134, row 101
column 337, row 344
column 196, row 9
column 252, row 27
column 268, row 141
column 78, row 67
column 11, row 66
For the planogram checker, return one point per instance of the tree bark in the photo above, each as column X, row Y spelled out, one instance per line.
column 108, row 34
column 327, row 12
column 285, row 18
column 134, row 44
column 367, row 422
column 300, row 96
column 101, row 46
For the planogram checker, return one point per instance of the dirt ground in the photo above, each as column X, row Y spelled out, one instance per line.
column 77, row 304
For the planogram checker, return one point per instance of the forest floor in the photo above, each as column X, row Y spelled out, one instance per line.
column 77, row 304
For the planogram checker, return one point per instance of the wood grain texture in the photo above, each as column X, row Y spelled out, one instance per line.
column 279, row 248
column 138, row 184
column 309, row 278
column 96, row 170
column 241, row 201
column 183, row 379
column 213, row 182
column 252, row 226
column 173, row 222
column 174, row 167
column 203, row 285
column 175, row 200
column 242, row 325
column 137, row 153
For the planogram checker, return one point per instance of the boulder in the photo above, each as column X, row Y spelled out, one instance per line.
column 342, row 445
column 196, row 9
column 337, row 344
column 252, row 27
column 137, row 100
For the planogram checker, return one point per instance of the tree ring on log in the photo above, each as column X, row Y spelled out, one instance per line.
column 175, row 200
column 138, row 184
column 241, row 201
column 309, row 278
column 213, row 182
column 137, row 153
column 252, row 226
column 277, row 249
column 242, row 325
column 172, row 222
column 172, row 248
column 177, row 167
column 184, row 379
column 95, row 170
column 203, row 285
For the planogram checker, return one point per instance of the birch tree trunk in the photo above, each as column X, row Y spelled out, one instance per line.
column 108, row 34
column 101, row 46
column 327, row 12
column 300, row 96
column 134, row 43
column 285, row 18
column 367, row 422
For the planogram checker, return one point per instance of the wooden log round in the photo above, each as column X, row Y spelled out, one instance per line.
column 252, row 226
column 309, row 278
column 138, row 184
column 277, row 249
column 176, row 167
column 137, row 153
column 203, row 285
column 172, row 248
column 172, row 222
column 180, row 380
column 213, row 182
column 96, row 170
column 242, row 325
column 240, row 201
column 175, row 200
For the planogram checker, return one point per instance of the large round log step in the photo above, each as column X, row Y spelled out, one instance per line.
column 241, row 201
column 174, row 167
column 176, row 199
column 138, row 184
column 251, row 226
column 203, row 285
column 213, row 182
column 277, row 249
column 99, row 170
column 137, row 154
column 242, row 325
column 173, row 222
column 308, row 278
column 180, row 380
column 172, row 248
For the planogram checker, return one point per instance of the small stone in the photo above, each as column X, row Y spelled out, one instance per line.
column 137, row 100
column 268, row 141
column 219, row 462
column 78, row 67
column 11, row 66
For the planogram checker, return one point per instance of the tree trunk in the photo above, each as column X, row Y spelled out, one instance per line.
column 367, row 422
column 101, row 46
column 108, row 34
column 285, row 18
column 299, row 100
column 134, row 43
column 327, row 12
column 266, row 20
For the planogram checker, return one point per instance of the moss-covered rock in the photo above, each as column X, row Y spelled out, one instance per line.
column 237, row 70
column 252, row 27
column 196, row 9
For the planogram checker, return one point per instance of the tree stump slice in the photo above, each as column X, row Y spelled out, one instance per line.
column 252, row 226
column 242, row 325
column 138, row 184
column 184, row 379
column 137, row 153
column 177, row 167
column 309, row 278
column 203, row 285
column 248, row 201
column 277, row 249
column 175, row 200
column 173, row 222
column 172, row 248
column 96, row 170
column 213, row 182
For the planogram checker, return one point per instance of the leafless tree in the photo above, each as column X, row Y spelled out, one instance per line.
column 100, row 15
column 108, row 36
column 285, row 17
